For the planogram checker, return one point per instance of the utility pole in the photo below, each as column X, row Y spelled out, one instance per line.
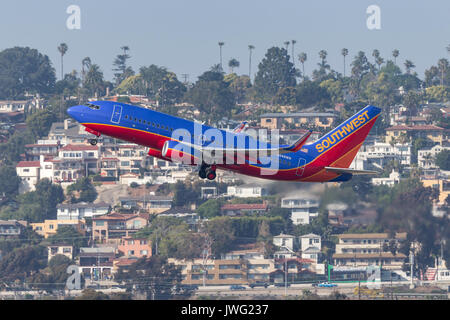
column 411, row 262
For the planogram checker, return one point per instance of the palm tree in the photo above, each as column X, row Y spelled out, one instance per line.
column 395, row 54
column 379, row 61
column 344, row 53
column 443, row 66
column 302, row 57
column 220, row 49
column 286, row 43
column 250, row 48
column 85, row 65
column 233, row 63
column 62, row 48
column 409, row 65
column 376, row 55
column 323, row 55
column 293, row 43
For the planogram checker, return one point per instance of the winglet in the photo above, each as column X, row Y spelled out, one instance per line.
column 297, row 145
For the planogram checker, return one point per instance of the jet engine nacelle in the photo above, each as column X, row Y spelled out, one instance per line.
column 179, row 152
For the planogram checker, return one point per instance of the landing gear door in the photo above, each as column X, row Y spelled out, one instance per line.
column 301, row 167
column 117, row 113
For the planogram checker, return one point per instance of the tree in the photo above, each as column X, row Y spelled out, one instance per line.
column 156, row 278
column 438, row 93
column 11, row 151
column 443, row 67
column 91, row 294
column 62, row 48
column 233, row 63
column 344, row 53
column 25, row 70
column 212, row 95
column 93, row 82
column 250, row 49
column 9, row 182
column 86, row 190
column 22, row 262
column 302, row 57
column 220, row 230
column 360, row 68
column 395, row 54
column 210, row 208
column 120, row 63
column 85, row 65
column 69, row 235
column 443, row 160
column 39, row 123
column 293, row 42
column 221, row 44
column 274, row 72
column 408, row 66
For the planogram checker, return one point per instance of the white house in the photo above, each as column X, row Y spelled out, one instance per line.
column 392, row 180
column 7, row 106
column 426, row 157
column 379, row 154
column 247, row 191
column 29, row 174
column 303, row 208
column 76, row 211
column 286, row 241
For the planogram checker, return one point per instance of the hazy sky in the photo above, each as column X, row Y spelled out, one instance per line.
column 182, row 35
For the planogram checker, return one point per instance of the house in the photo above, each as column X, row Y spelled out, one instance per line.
column 361, row 250
column 62, row 249
column 291, row 269
column 430, row 132
column 12, row 228
column 296, row 120
column 76, row 211
column 34, row 151
column 225, row 271
column 242, row 209
column 50, row 227
column 112, row 227
column 96, row 263
column 426, row 157
column 287, row 245
column 442, row 185
column 8, row 106
column 378, row 155
column 29, row 174
column 311, row 247
column 150, row 203
column 304, row 208
column 392, row 180
column 135, row 247
column 251, row 190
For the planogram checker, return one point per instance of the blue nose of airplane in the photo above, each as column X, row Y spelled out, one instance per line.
column 75, row 112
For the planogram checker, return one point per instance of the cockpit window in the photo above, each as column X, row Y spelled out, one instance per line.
column 92, row 106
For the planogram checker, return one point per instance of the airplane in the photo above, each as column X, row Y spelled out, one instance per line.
column 325, row 160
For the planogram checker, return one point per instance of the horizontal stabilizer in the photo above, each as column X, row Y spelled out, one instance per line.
column 351, row 171
column 297, row 145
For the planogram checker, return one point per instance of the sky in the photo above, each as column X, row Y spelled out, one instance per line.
column 183, row 35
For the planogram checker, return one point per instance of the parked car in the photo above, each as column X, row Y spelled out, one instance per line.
column 258, row 284
column 327, row 285
column 237, row 287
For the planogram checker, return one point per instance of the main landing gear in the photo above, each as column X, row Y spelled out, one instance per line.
column 93, row 141
column 207, row 171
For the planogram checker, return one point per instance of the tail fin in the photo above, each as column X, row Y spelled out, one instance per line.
column 339, row 147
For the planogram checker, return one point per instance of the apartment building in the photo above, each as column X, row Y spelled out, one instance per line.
column 112, row 227
column 76, row 211
column 135, row 247
column 360, row 250
column 298, row 119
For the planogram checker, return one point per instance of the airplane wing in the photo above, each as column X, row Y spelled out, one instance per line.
column 351, row 171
